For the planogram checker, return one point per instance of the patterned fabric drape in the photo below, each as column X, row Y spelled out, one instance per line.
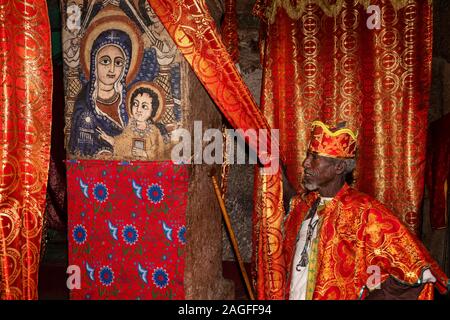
column 230, row 29
column 192, row 28
column 268, row 269
column 25, row 99
column 335, row 68
column 127, row 228
column 296, row 8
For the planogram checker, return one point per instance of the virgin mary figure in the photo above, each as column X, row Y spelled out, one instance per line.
column 101, row 102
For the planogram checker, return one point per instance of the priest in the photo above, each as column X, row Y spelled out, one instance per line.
column 340, row 243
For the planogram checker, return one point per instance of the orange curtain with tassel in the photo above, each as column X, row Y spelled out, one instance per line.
column 330, row 62
column 25, row 122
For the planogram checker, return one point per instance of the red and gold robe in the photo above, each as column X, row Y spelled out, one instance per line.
column 356, row 231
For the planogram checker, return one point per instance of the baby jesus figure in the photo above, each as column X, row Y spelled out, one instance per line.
column 144, row 138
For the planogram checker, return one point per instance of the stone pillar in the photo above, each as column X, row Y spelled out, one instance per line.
column 203, row 273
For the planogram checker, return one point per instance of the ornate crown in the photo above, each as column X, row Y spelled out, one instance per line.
column 332, row 142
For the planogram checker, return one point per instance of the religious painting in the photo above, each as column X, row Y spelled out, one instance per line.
column 122, row 81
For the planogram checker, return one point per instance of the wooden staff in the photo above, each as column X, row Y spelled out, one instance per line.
column 232, row 236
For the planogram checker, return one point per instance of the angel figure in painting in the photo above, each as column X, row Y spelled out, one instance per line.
column 168, row 77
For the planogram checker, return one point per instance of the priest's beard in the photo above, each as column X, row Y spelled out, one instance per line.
column 310, row 186
column 310, row 183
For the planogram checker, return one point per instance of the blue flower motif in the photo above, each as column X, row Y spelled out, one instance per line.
column 155, row 193
column 182, row 234
column 100, row 192
column 130, row 234
column 106, row 276
column 79, row 234
column 160, row 278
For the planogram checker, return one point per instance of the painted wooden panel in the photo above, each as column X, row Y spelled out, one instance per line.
column 122, row 81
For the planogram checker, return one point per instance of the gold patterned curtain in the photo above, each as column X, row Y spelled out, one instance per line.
column 267, row 9
column 328, row 60
column 25, row 122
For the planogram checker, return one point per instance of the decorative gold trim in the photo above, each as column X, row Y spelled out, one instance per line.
column 296, row 9
column 326, row 155
column 336, row 133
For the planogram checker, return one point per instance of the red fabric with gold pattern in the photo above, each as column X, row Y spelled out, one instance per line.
column 321, row 61
column 357, row 232
column 332, row 142
column 230, row 36
column 25, row 126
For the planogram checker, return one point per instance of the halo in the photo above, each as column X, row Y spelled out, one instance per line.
column 155, row 88
column 118, row 22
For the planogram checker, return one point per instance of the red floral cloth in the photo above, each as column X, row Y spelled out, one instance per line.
column 126, row 228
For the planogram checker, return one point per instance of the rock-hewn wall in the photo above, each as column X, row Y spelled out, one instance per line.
column 239, row 197
column 203, row 273
column 438, row 241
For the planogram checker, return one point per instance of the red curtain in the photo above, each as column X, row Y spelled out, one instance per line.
column 230, row 30
column 25, row 120
column 330, row 62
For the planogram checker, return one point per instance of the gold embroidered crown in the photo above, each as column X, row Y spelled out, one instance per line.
column 335, row 142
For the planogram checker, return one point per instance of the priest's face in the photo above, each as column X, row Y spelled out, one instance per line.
column 319, row 172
